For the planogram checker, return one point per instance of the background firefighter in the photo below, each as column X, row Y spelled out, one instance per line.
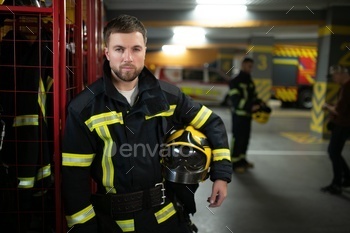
column 244, row 103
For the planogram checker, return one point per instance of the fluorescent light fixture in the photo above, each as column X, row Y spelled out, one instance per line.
column 189, row 35
column 221, row 2
column 173, row 49
column 220, row 12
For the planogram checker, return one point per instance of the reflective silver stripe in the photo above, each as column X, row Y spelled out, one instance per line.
column 26, row 120
column 43, row 172
column 81, row 216
column 233, row 92
column 107, row 163
column 165, row 213
column 169, row 112
column 108, row 118
column 78, row 160
column 201, row 117
column 26, row 182
column 126, row 225
column 220, row 154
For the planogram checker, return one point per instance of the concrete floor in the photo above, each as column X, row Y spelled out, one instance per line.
column 282, row 193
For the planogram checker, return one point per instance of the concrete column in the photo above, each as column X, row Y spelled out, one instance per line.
column 333, row 48
column 260, row 50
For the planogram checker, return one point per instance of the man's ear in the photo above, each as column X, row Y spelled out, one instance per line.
column 107, row 53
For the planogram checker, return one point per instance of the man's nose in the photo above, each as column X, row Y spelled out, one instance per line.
column 128, row 55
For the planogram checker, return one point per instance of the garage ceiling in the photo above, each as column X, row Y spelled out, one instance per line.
column 288, row 21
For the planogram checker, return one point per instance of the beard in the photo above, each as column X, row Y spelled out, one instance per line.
column 127, row 76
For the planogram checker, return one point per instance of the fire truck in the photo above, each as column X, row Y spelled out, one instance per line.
column 293, row 75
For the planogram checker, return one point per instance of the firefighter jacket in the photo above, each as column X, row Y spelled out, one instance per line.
column 119, row 145
column 27, row 103
column 243, row 94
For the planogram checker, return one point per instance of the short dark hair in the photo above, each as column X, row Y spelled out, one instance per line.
column 124, row 24
column 247, row 59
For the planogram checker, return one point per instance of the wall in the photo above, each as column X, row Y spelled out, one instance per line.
column 192, row 57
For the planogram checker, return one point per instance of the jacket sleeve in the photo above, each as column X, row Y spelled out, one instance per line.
column 235, row 94
column 77, row 156
column 202, row 118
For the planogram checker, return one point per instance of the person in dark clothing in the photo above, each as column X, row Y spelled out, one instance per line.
column 244, row 103
column 340, row 131
column 114, row 132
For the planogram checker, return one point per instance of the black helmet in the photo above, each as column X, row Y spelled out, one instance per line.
column 187, row 156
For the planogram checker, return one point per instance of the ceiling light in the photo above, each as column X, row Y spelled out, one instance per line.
column 173, row 49
column 189, row 35
column 221, row 2
column 220, row 12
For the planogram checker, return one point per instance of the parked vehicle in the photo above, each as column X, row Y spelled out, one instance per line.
column 293, row 76
column 204, row 84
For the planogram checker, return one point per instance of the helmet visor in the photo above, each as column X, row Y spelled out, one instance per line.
column 186, row 157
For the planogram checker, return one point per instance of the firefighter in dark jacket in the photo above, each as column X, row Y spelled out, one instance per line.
column 114, row 132
column 339, row 125
column 244, row 103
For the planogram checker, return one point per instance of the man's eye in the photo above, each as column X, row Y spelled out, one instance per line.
column 119, row 50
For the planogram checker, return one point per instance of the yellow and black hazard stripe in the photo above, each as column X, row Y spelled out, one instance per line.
column 263, row 88
column 323, row 92
column 286, row 94
column 290, row 51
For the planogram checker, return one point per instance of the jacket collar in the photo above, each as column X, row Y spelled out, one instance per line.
column 150, row 97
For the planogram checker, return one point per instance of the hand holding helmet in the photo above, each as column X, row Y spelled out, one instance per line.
column 262, row 114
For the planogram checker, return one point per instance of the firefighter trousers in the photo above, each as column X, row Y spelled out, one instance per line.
column 337, row 141
column 144, row 221
column 241, row 127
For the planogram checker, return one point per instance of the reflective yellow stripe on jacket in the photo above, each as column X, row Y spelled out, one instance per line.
column 42, row 97
column 108, row 118
column 43, row 172
column 78, row 160
column 220, row 154
column 233, row 91
column 81, row 216
column 126, row 225
column 24, row 120
column 165, row 213
column 201, row 117
column 167, row 113
column 107, row 164
column 162, row 215
column 242, row 113
column 26, row 182
column 243, row 101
